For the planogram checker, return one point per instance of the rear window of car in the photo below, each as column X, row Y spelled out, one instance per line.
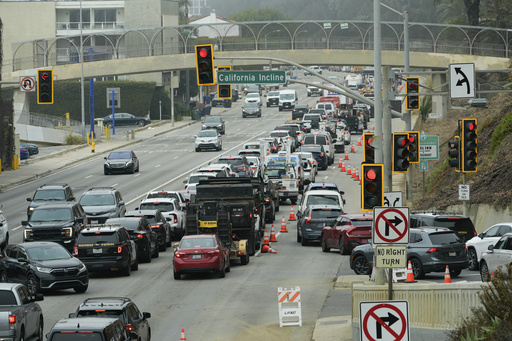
column 357, row 222
column 456, row 224
column 95, row 237
column 318, row 139
column 311, row 117
column 162, row 206
column 101, row 313
column 166, row 195
column 232, row 161
column 444, row 238
column 322, row 200
column 325, row 213
column 74, row 336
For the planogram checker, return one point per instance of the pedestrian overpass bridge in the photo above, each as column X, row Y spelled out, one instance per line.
column 163, row 49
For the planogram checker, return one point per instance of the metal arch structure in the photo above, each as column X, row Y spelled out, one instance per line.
column 475, row 39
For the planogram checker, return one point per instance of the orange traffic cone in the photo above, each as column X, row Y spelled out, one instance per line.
column 283, row 226
column 359, row 141
column 346, row 155
column 447, row 278
column 348, row 169
column 410, row 275
column 354, row 172
column 353, row 149
column 273, row 234
column 292, row 215
column 343, row 166
column 265, row 238
column 267, row 248
column 339, row 164
column 183, row 338
column 492, row 276
column 357, row 175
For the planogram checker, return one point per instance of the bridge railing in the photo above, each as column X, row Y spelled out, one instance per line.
column 249, row 36
column 47, row 121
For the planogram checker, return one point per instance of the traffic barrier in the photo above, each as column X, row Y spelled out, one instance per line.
column 346, row 154
column 267, row 249
column 289, row 304
column 343, row 166
column 273, row 235
column 359, row 141
column 353, row 149
column 348, row 169
column 410, row 275
column 265, row 238
column 292, row 215
column 447, row 278
column 183, row 338
column 283, row 226
column 339, row 164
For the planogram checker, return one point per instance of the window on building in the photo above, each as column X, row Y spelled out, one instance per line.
column 104, row 17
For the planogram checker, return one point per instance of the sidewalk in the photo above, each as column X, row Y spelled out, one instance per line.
column 67, row 155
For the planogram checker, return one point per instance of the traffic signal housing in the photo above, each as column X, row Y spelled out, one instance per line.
column 414, row 147
column 224, row 90
column 400, row 152
column 469, row 145
column 44, row 86
column 372, row 189
column 369, row 150
column 204, row 65
column 454, row 153
column 412, row 101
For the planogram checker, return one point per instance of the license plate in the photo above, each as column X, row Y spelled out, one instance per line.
column 196, row 256
column 452, row 254
column 94, row 221
column 96, row 250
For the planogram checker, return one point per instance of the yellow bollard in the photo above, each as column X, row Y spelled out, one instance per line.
column 0, row 166
column 93, row 145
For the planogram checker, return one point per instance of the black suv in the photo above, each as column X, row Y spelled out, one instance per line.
column 117, row 307
column 50, row 193
column 102, row 203
column 239, row 163
column 107, row 248
column 158, row 224
column 101, row 329
column 462, row 225
column 60, row 223
column 299, row 111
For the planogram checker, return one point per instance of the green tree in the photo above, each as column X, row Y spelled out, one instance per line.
column 260, row 14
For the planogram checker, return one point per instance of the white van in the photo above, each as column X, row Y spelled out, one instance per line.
column 287, row 99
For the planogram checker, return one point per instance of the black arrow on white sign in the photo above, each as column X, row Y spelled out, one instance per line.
column 463, row 80
column 395, row 221
column 390, row 320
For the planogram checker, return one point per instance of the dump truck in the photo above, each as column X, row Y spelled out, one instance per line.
column 232, row 208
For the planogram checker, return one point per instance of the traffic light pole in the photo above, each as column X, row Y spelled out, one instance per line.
column 386, row 130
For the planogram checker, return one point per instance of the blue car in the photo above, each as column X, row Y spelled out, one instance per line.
column 23, row 153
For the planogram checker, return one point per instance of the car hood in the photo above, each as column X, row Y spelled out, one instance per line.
column 56, row 224
column 118, row 160
column 58, row 263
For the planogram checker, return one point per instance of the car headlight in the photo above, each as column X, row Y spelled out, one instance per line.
column 82, row 268
column 204, row 126
column 28, row 233
column 219, row 126
column 68, row 231
column 31, row 209
column 129, row 163
column 43, row 269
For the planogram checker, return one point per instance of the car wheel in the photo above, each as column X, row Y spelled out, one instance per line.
column 81, row 289
column 22, row 335
column 417, row 268
column 197, row 149
column 40, row 330
column 32, row 284
column 3, row 277
column 455, row 272
column 361, row 266
column 127, row 270
column 109, row 124
column 6, row 241
column 177, row 275
column 162, row 247
column 147, row 255
column 141, row 123
column 105, row 172
column 473, row 260
column 304, row 241
column 277, row 205
column 244, row 260
column 293, row 201
column 138, row 167
column 228, row 268
column 484, row 272
column 299, row 238
column 132, row 171
column 323, row 244
column 222, row 272
column 343, row 247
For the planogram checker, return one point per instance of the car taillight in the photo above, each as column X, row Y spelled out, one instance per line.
column 350, row 230
column 12, row 319
column 308, row 221
column 322, row 154
column 128, row 327
column 155, row 226
column 267, row 200
column 120, row 248
column 140, row 236
column 75, row 250
column 434, row 249
column 214, row 251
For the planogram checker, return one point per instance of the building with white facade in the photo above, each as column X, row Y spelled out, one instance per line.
column 228, row 30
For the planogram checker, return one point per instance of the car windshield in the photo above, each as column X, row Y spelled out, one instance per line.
column 162, row 206
column 97, row 199
column 82, row 336
column 191, row 243
column 253, row 95
column 48, row 252
column 212, row 119
column 47, row 194
column 207, row 133
column 51, row 214
column 194, row 179
column 273, row 93
column 286, row 96
column 251, row 105
column 119, row 155
column 322, row 200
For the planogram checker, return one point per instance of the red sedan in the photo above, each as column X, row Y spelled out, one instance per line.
column 347, row 232
column 201, row 253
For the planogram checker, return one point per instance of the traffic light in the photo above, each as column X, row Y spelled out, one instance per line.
column 469, row 145
column 224, row 90
column 454, row 153
column 414, row 147
column 401, row 152
column 372, row 189
column 412, row 102
column 369, row 150
column 45, row 86
column 204, row 65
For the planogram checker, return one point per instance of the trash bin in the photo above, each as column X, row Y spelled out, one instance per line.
column 194, row 114
column 206, row 99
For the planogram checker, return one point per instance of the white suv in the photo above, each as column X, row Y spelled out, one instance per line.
column 4, row 230
column 480, row 243
column 172, row 212
column 208, row 139
column 253, row 97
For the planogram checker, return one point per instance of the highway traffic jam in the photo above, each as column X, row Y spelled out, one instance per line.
column 177, row 218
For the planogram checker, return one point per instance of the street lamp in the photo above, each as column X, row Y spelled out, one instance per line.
column 267, row 35
column 296, row 35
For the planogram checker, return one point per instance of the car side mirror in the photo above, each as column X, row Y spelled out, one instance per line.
column 342, row 192
column 24, row 222
column 146, row 315
column 72, row 315
column 490, row 247
column 195, row 136
column 29, row 199
column 481, row 235
column 105, row 157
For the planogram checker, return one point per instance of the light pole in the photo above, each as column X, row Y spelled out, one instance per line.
column 267, row 35
column 297, row 35
column 82, row 74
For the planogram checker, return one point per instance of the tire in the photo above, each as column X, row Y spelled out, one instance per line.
column 197, row 149
column 361, row 266
column 105, row 172
column 3, row 277
column 293, row 201
column 81, row 289
column 162, row 248
column 22, row 334
column 156, row 254
column 299, row 238
column 417, row 268
column 343, row 247
column 132, row 171
column 323, row 244
column 40, row 330
column 6, row 242
column 138, row 168
column 109, row 124
column 473, row 260
column 177, row 275
column 277, row 205
column 228, row 269
column 484, row 272
column 32, row 284
column 127, row 270
column 244, row 260
column 135, row 266
column 455, row 273
column 147, row 255
column 304, row 241
column 222, row 272
column 141, row 123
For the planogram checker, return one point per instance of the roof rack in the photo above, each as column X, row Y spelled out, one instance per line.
column 102, row 187
column 55, row 184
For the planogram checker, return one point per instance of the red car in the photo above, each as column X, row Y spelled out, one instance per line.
column 201, row 253
column 347, row 232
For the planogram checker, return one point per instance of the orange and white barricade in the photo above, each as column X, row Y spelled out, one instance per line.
column 289, row 303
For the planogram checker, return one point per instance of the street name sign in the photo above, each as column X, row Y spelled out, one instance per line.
column 251, row 77
column 384, row 321
column 390, row 256
column 429, row 147
column 390, row 225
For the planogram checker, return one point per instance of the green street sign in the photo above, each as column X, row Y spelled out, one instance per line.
column 429, row 147
column 344, row 26
column 251, row 77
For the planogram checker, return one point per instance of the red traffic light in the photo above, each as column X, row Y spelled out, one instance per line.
column 370, row 175
column 203, row 53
